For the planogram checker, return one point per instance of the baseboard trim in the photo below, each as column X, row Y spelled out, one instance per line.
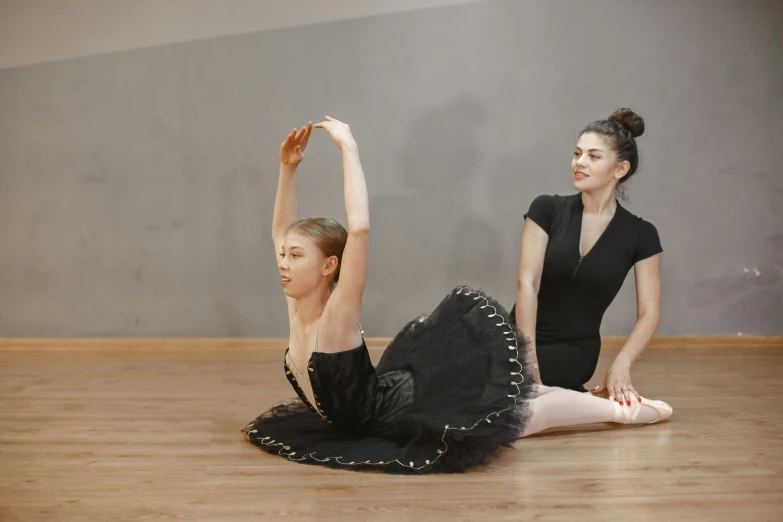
column 212, row 343
column 744, row 341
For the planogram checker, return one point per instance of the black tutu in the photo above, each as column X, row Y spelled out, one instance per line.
column 449, row 393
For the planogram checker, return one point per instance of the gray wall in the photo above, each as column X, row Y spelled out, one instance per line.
column 136, row 188
column 38, row 31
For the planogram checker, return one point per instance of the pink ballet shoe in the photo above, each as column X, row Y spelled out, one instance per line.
column 629, row 414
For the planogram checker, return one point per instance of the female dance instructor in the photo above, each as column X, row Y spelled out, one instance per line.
column 576, row 252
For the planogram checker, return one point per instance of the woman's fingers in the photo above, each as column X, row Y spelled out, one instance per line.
column 306, row 135
column 635, row 393
column 612, row 391
column 289, row 138
column 626, row 395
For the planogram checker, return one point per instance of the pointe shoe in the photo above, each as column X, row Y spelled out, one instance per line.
column 629, row 414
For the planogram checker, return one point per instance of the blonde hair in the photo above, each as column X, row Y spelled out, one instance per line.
column 329, row 235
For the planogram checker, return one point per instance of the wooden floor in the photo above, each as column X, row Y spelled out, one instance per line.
column 121, row 434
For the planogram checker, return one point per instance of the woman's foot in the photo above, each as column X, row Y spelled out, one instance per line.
column 647, row 411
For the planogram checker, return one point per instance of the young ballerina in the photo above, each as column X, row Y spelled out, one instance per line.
column 576, row 252
column 450, row 392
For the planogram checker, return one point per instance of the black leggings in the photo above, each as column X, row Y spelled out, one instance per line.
column 568, row 365
column 565, row 363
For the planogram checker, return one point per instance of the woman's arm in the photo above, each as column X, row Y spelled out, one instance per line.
column 531, row 266
column 345, row 304
column 648, row 305
column 291, row 155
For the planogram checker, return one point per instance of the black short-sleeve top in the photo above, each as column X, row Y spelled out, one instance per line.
column 576, row 290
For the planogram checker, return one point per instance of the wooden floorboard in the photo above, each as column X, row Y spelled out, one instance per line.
column 251, row 343
column 128, row 434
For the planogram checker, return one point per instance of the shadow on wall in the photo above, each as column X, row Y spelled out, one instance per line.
column 427, row 232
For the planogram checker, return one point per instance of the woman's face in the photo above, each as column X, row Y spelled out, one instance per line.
column 303, row 266
column 595, row 164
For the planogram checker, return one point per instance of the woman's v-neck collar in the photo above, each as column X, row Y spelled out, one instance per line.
column 580, row 209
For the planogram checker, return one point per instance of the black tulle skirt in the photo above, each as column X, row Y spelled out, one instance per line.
column 449, row 393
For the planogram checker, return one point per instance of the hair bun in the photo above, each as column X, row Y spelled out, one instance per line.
column 630, row 120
